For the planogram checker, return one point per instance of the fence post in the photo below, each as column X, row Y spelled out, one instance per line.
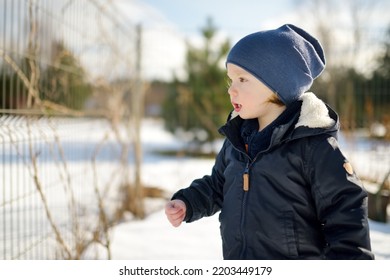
column 136, row 196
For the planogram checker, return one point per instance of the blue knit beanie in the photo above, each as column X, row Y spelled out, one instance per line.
column 287, row 60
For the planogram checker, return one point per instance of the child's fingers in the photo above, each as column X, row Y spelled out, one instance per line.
column 176, row 220
column 171, row 209
column 175, row 211
column 174, row 206
column 179, row 214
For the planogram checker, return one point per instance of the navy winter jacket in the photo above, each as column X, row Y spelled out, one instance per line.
column 297, row 197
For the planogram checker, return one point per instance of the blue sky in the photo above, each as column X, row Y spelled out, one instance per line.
column 236, row 18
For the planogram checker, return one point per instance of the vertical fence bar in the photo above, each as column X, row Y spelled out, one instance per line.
column 3, row 149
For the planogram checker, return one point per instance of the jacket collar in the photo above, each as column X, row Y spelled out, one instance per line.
column 314, row 113
column 314, row 117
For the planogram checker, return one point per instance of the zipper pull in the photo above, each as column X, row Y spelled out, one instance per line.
column 246, row 178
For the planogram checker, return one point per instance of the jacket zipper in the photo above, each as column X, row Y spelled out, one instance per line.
column 246, row 178
column 242, row 223
column 243, row 206
column 244, row 201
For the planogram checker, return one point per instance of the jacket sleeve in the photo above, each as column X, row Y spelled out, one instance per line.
column 204, row 196
column 341, row 202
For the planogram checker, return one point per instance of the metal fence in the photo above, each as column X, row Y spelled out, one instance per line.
column 53, row 173
column 62, row 144
column 67, row 69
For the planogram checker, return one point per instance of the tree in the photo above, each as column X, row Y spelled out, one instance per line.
column 200, row 103
column 379, row 85
column 64, row 81
column 383, row 69
column 13, row 93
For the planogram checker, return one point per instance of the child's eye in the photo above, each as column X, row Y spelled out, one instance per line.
column 242, row 80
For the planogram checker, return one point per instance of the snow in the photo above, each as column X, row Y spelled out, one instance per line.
column 380, row 239
column 154, row 238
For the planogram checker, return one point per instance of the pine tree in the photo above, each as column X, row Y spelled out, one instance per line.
column 200, row 102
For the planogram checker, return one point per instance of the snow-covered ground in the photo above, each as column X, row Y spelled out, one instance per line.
column 155, row 238
column 149, row 239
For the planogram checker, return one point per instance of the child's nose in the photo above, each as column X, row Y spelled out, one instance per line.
column 232, row 91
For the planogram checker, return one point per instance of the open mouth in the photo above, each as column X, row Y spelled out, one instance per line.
column 237, row 107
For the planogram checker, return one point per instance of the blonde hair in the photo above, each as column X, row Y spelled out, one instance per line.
column 276, row 100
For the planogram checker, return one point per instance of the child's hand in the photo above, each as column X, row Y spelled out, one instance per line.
column 175, row 211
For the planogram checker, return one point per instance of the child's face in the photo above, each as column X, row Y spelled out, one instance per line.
column 250, row 97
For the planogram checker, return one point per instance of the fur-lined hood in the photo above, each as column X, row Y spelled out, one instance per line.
column 314, row 112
